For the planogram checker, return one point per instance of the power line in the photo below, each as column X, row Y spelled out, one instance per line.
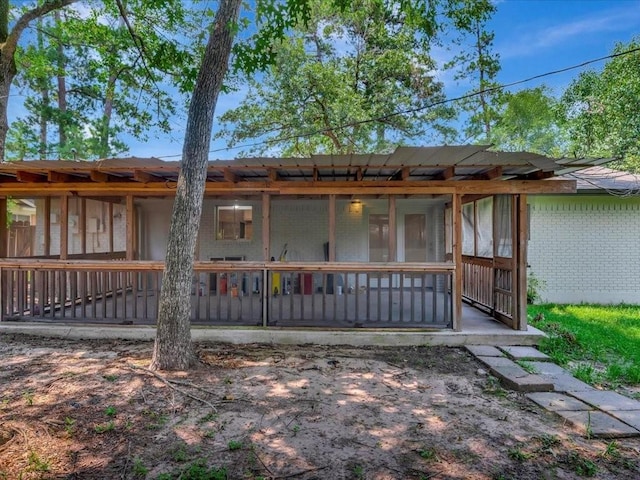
column 424, row 107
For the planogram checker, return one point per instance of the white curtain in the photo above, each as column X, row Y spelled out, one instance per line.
column 503, row 226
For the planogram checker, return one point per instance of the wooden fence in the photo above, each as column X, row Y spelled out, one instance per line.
column 232, row 293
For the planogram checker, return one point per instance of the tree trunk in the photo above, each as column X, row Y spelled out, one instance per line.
column 62, row 90
column 7, row 73
column 105, row 123
column 44, row 108
column 173, row 349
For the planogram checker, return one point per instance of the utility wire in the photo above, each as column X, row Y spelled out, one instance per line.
column 424, row 107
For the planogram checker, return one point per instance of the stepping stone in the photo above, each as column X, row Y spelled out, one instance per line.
column 568, row 383
column 498, row 362
column 548, row 368
column 554, row 402
column 607, row 401
column 484, row 351
column 630, row 417
column 525, row 353
column 514, row 376
column 598, row 424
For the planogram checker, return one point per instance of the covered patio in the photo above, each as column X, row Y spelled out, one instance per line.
column 385, row 242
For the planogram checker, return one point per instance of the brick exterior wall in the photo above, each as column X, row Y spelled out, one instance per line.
column 586, row 248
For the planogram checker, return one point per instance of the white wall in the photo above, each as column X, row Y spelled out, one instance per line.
column 586, row 248
column 303, row 224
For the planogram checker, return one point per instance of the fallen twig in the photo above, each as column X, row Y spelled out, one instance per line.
column 169, row 383
column 263, row 464
column 297, row 474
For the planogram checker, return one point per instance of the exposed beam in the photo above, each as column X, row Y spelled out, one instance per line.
column 146, row 177
column 273, row 175
column 104, row 177
column 446, row 174
column 232, row 177
column 8, row 179
column 472, row 187
column 537, row 175
column 30, row 177
column 62, row 177
column 492, row 174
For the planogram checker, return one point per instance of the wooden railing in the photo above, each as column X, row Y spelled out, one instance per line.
column 226, row 293
column 488, row 283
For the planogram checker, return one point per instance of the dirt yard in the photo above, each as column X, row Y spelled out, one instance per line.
column 90, row 410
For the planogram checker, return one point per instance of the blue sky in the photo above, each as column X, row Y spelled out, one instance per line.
column 532, row 37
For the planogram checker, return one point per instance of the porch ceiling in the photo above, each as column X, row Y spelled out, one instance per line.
column 440, row 168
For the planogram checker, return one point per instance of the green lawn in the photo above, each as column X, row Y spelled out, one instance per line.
column 600, row 343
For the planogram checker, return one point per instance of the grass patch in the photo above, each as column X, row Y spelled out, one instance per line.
column 601, row 342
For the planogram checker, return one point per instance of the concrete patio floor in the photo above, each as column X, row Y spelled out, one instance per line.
column 477, row 329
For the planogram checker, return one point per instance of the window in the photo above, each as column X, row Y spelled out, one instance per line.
column 234, row 223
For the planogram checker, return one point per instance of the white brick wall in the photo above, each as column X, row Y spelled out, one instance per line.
column 586, row 248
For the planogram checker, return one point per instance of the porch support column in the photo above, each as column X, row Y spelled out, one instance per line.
column 110, row 225
column 64, row 227
column 393, row 234
column 130, row 227
column 266, row 226
column 332, row 228
column 83, row 225
column 456, row 290
column 520, row 310
column 47, row 226
column 4, row 238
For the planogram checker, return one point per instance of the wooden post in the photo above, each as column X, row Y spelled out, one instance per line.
column 110, row 227
column 457, row 261
column 47, row 226
column 266, row 226
column 83, row 225
column 520, row 322
column 130, row 227
column 4, row 231
column 64, row 227
column 393, row 234
column 332, row 228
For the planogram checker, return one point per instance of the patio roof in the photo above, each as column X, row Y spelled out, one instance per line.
column 436, row 166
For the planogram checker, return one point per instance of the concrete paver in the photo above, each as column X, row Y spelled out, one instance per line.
column 598, row 424
column 484, row 351
column 554, row 401
column 548, row 368
column 514, row 376
column 498, row 362
column 606, row 400
column 525, row 353
column 597, row 413
column 568, row 383
column 630, row 417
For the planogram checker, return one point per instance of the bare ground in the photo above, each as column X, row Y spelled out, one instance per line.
column 90, row 410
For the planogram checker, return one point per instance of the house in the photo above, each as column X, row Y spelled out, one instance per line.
column 343, row 241
column 585, row 247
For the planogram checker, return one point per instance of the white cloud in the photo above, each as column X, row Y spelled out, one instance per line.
column 586, row 28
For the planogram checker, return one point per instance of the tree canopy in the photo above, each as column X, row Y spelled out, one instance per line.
column 602, row 109
column 360, row 80
column 89, row 75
